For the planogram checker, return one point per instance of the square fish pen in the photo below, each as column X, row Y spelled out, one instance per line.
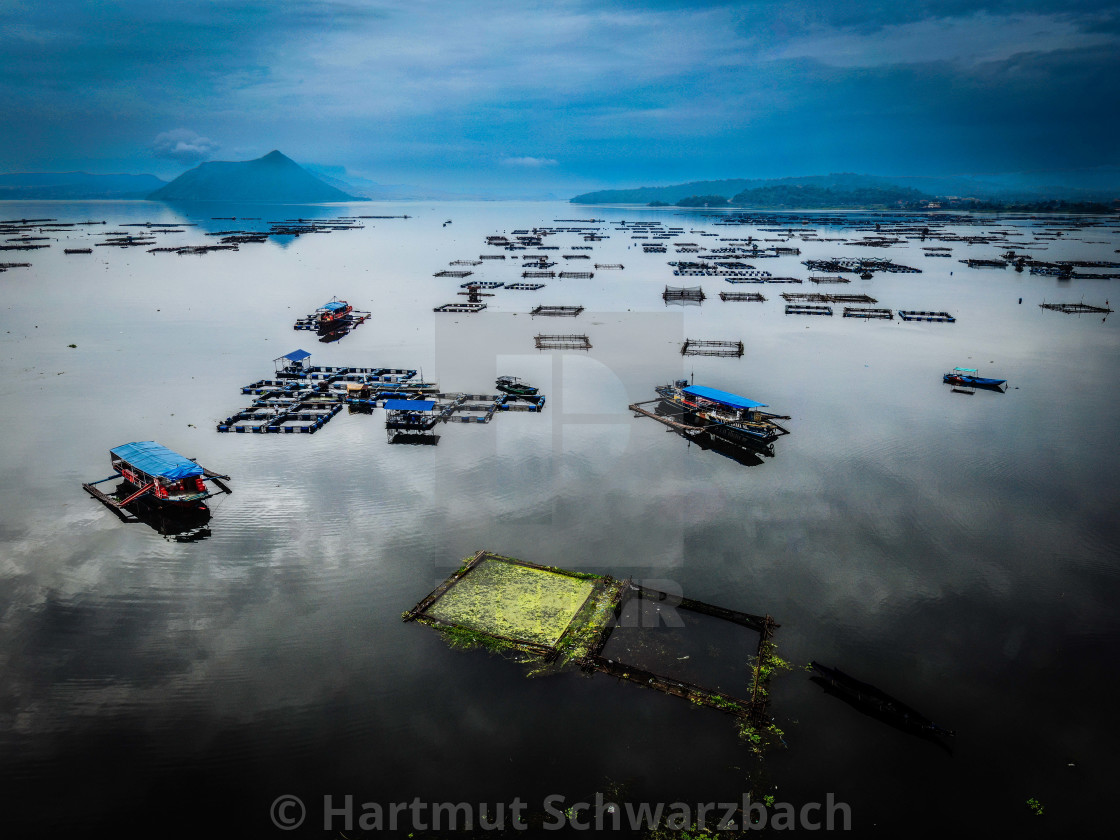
column 807, row 309
column 557, row 311
column 562, row 342
column 683, row 295
column 692, row 347
column 563, row 617
column 867, row 312
column 935, row 317
column 460, row 307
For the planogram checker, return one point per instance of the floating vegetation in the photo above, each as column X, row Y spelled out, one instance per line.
column 560, row 617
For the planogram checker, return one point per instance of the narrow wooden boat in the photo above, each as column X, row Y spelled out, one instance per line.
column 971, row 378
column 515, row 386
column 877, row 703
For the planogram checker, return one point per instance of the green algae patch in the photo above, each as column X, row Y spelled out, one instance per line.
column 552, row 618
column 513, row 601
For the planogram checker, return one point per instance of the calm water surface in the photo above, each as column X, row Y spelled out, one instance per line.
column 959, row 552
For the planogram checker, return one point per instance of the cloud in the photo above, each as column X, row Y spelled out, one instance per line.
column 970, row 40
column 529, row 162
column 183, row 145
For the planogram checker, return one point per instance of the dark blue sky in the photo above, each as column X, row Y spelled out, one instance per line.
column 561, row 95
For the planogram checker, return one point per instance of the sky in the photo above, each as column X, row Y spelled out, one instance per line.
column 562, row 96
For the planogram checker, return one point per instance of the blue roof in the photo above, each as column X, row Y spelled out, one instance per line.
column 297, row 356
column 409, row 405
column 334, row 306
column 156, row 460
column 723, row 397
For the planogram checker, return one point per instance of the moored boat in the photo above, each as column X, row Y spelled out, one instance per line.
column 333, row 314
column 513, row 385
column 971, row 378
column 167, row 477
column 156, row 481
column 729, row 416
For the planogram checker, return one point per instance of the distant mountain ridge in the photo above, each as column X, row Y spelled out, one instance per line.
column 75, row 186
column 1105, row 186
column 274, row 179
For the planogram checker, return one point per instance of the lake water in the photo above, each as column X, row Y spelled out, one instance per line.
column 957, row 551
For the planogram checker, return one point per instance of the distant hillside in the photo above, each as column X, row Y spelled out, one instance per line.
column 75, row 186
column 810, row 197
column 843, row 181
column 274, row 178
column 670, row 194
column 1102, row 184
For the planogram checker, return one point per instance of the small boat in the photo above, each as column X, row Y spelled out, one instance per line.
column 516, row 387
column 154, row 476
column 729, row 416
column 333, row 315
column 878, row 704
column 970, row 378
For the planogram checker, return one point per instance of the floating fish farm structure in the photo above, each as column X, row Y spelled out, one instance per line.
column 562, row 342
column 753, row 297
column 936, row 317
column 813, row 297
column 692, row 347
column 302, row 398
column 557, row 311
column 867, row 312
column 683, row 295
column 460, row 307
column 564, row 618
column 807, row 309
column 1073, row 308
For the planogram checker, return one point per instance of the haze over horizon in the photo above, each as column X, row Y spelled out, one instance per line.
column 563, row 96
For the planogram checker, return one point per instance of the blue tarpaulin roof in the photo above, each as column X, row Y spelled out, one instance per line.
column 157, row 460
column 334, row 306
column 715, row 395
column 297, row 356
column 409, row 405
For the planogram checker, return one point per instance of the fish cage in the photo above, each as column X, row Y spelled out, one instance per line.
column 935, row 317
column 692, row 347
column 460, row 307
column 558, row 617
column 1074, row 308
column 807, row 309
column 562, row 342
column 557, row 311
column 684, row 295
column 754, row 297
column 867, row 312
